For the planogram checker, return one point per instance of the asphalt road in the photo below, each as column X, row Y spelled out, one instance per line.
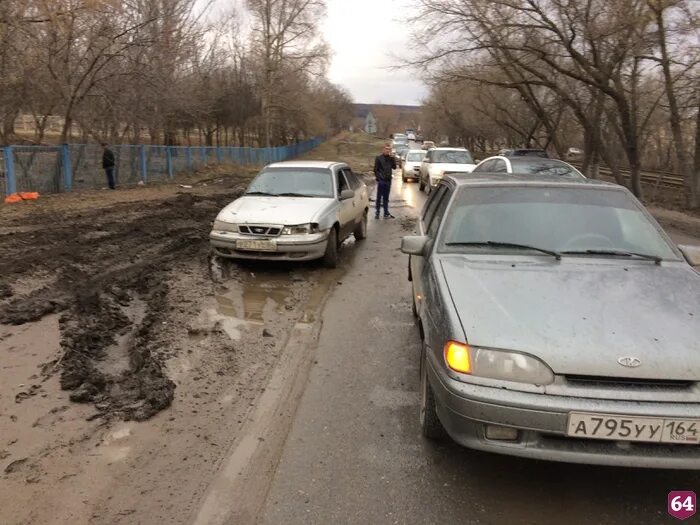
column 355, row 453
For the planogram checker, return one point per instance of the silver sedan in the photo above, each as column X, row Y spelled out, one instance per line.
column 558, row 322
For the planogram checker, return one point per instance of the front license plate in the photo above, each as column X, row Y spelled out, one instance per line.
column 257, row 246
column 632, row 428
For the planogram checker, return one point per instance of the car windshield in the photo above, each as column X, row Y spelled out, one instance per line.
column 564, row 220
column 534, row 166
column 303, row 182
column 401, row 140
column 452, row 157
column 415, row 156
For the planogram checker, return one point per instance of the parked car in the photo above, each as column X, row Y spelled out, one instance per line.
column 441, row 161
column 527, row 165
column 410, row 168
column 558, row 322
column 524, row 152
column 297, row 210
column 398, row 151
column 427, row 144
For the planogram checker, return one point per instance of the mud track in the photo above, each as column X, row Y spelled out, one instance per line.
column 104, row 270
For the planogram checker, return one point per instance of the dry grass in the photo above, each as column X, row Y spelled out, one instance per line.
column 358, row 150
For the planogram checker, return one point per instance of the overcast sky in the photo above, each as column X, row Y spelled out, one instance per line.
column 366, row 36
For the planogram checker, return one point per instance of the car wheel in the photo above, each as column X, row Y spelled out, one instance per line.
column 330, row 258
column 430, row 424
column 360, row 231
column 421, row 184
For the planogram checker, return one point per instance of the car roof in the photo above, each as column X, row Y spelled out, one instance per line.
column 449, row 148
column 305, row 164
column 511, row 179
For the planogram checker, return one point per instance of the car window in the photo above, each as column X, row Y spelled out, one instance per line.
column 453, row 157
column 484, row 166
column 499, row 166
column 558, row 219
column 342, row 183
column 415, row 156
column 443, row 198
column 307, row 182
column 537, row 166
column 351, row 178
column 431, row 204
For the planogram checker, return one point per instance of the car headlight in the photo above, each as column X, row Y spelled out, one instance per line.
column 497, row 364
column 225, row 226
column 300, row 229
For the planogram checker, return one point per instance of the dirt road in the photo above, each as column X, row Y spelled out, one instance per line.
column 143, row 382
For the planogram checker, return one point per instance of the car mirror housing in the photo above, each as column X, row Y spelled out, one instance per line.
column 346, row 194
column 691, row 254
column 414, row 244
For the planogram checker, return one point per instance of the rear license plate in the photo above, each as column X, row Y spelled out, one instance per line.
column 257, row 246
column 633, row 428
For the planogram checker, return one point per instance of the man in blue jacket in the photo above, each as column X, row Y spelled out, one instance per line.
column 384, row 166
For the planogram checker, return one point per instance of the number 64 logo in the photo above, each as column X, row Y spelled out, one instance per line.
column 682, row 504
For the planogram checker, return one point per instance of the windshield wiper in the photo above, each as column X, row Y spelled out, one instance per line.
column 292, row 194
column 554, row 254
column 261, row 193
column 616, row 253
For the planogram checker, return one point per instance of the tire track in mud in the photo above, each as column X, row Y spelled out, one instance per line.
column 104, row 262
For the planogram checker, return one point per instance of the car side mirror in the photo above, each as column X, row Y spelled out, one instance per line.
column 414, row 244
column 691, row 254
column 346, row 194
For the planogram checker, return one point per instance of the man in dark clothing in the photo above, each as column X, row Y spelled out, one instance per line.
column 108, row 164
column 384, row 165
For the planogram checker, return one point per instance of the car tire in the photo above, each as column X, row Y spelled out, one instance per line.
column 360, row 231
column 430, row 424
column 330, row 258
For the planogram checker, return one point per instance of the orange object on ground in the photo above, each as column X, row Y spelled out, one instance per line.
column 21, row 196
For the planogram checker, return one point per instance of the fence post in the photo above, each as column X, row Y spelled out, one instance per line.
column 190, row 165
column 144, row 163
column 67, row 168
column 10, row 170
column 169, row 161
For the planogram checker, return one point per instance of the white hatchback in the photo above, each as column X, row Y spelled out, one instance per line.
column 297, row 210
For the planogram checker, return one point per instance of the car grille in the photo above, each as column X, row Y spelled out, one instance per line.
column 262, row 230
column 633, row 383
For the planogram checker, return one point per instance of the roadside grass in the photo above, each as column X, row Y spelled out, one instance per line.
column 358, row 150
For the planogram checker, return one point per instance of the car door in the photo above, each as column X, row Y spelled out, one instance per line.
column 346, row 208
column 427, row 227
column 358, row 200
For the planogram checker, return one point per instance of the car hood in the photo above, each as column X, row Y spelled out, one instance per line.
column 275, row 210
column 581, row 317
column 453, row 168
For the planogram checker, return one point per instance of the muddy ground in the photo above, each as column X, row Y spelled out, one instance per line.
column 130, row 360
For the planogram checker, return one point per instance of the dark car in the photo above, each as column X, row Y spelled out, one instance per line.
column 525, row 152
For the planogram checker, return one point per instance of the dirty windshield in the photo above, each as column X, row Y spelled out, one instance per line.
column 302, row 182
column 452, row 157
column 557, row 219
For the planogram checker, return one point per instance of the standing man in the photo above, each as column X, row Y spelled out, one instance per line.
column 384, row 165
column 108, row 164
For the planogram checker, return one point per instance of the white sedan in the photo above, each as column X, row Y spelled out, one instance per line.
column 297, row 210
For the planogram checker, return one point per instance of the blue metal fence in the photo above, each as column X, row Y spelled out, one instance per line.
column 53, row 169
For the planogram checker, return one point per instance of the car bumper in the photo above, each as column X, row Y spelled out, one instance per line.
column 288, row 247
column 465, row 410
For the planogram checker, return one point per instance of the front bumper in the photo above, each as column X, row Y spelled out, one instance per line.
column 289, row 247
column 465, row 410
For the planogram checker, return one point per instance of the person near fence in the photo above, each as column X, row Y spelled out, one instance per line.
column 384, row 166
column 108, row 163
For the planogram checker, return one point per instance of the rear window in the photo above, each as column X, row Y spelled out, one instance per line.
column 452, row 157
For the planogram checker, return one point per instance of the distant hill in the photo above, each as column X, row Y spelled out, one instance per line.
column 361, row 110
